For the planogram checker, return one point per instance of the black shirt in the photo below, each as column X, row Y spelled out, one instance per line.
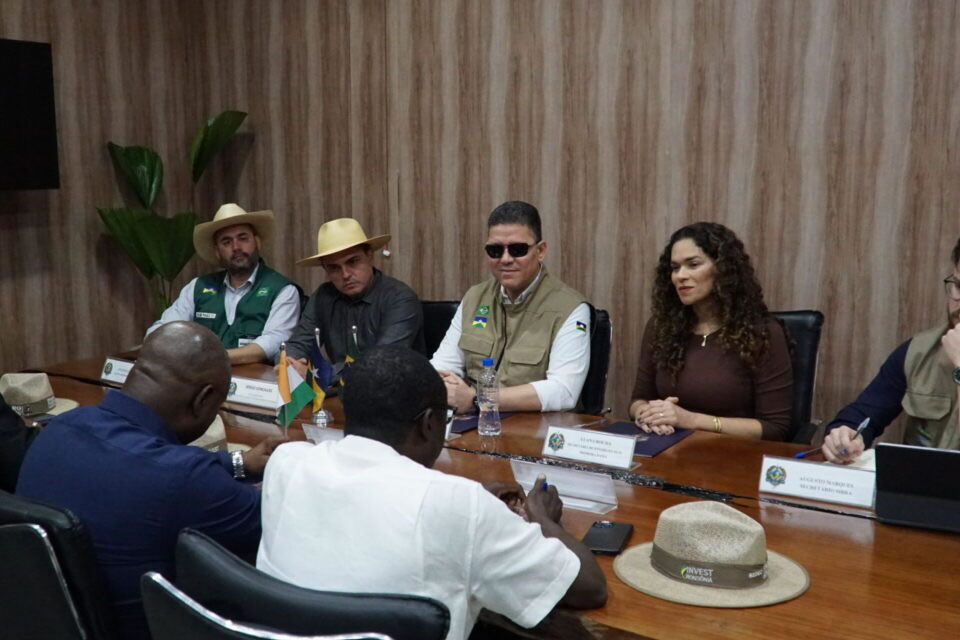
column 15, row 437
column 388, row 312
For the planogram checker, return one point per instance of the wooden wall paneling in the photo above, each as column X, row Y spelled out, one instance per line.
column 826, row 134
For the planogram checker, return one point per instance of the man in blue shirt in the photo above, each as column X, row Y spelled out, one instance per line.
column 123, row 467
column 921, row 378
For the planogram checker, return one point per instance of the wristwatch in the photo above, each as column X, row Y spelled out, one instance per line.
column 239, row 473
column 956, row 375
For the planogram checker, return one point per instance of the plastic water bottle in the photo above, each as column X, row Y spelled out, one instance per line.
column 488, row 398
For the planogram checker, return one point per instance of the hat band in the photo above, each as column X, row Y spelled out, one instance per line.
column 35, row 408
column 709, row 574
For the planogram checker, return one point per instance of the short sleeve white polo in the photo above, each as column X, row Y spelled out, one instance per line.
column 355, row 515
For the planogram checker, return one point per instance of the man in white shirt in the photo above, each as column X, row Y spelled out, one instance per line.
column 368, row 514
column 250, row 307
column 534, row 327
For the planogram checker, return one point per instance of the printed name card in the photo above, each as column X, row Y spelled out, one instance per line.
column 257, row 393
column 583, row 490
column 115, row 370
column 818, row 481
column 584, row 445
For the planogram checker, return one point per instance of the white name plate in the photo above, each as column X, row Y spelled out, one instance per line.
column 115, row 370
column 582, row 490
column 257, row 393
column 583, row 445
column 818, row 481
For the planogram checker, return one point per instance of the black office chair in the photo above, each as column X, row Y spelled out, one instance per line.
column 595, row 385
column 77, row 599
column 173, row 615
column 437, row 315
column 234, row 589
column 804, row 328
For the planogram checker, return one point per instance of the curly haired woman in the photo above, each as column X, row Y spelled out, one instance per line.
column 712, row 358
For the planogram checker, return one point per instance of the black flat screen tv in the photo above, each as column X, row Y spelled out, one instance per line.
column 28, row 120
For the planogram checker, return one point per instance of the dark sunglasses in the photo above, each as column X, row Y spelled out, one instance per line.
column 515, row 249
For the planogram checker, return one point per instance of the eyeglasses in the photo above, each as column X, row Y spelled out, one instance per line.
column 515, row 249
column 952, row 288
column 451, row 411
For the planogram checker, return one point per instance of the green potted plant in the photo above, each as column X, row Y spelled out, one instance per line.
column 161, row 246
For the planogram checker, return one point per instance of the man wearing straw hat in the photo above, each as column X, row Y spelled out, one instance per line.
column 249, row 306
column 358, row 307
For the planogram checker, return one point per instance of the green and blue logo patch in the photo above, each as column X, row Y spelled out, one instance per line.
column 208, row 290
column 483, row 310
column 480, row 322
column 581, row 326
column 263, row 292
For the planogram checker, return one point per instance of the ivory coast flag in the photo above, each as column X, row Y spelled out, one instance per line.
column 295, row 393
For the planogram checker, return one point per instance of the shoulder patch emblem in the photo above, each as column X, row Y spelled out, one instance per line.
column 480, row 322
column 581, row 326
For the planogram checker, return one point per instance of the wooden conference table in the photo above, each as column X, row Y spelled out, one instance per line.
column 868, row 579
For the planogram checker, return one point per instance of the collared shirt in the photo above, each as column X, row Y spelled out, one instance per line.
column 355, row 515
column 881, row 401
column 280, row 323
column 566, row 369
column 388, row 312
column 122, row 471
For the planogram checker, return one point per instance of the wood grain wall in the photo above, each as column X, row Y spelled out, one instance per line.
column 826, row 134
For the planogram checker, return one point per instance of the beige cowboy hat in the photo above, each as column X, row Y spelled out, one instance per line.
column 227, row 216
column 30, row 395
column 339, row 235
column 710, row 555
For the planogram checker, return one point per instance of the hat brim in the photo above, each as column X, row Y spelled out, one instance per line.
column 785, row 581
column 63, row 405
column 375, row 243
column 261, row 221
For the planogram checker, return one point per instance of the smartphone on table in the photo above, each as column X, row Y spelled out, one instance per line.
column 606, row 537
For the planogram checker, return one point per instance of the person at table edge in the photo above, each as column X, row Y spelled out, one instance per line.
column 249, row 306
column 399, row 526
column 356, row 295
column 534, row 327
column 713, row 358
column 124, row 468
column 921, row 377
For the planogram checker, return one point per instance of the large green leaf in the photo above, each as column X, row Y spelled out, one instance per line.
column 211, row 138
column 123, row 224
column 143, row 169
column 168, row 241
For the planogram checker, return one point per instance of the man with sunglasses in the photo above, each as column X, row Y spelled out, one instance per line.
column 368, row 513
column 920, row 377
column 536, row 328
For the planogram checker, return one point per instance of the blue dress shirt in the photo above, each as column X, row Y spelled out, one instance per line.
column 122, row 471
column 881, row 401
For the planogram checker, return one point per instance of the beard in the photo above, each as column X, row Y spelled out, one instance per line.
column 242, row 263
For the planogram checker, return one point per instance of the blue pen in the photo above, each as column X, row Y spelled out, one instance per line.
column 860, row 428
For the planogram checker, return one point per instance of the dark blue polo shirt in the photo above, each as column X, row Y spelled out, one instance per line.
column 121, row 470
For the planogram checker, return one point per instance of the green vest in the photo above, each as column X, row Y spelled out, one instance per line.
column 930, row 401
column 523, row 332
column 252, row 310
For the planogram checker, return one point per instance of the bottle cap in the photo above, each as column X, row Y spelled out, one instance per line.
column 488, row 362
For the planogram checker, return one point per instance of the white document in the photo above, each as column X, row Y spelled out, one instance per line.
column 582, row 490
column 816, row 481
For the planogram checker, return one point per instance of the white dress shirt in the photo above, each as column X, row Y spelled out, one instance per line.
column 355, row 515
column 284, row 312
column 566, row 369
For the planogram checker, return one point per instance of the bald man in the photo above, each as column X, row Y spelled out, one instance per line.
column 124, row 469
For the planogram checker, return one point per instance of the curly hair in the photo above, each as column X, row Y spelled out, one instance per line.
column 739, row 300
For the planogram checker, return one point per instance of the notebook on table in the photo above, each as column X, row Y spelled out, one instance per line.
column 648, row 444
column 918, row 486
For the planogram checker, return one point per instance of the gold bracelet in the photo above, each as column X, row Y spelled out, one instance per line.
column 717, row 425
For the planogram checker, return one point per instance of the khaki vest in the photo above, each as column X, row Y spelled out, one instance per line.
column 930, row 401
column 523, row 332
